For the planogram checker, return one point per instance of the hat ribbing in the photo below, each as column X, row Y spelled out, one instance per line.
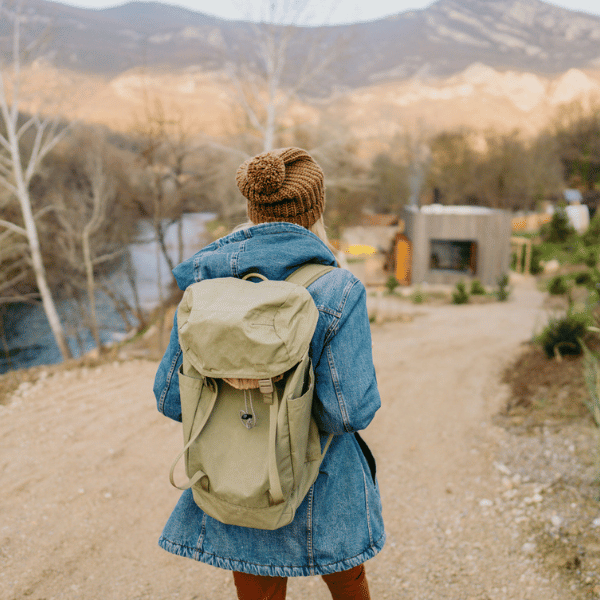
column 282, row 185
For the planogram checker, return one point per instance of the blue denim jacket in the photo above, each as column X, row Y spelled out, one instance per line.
column 339, row 524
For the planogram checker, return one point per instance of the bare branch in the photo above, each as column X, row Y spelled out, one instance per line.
column 13, row 227
column 9, row 186
column 46, row 209
column 12, row 251
column 27, row 125
column 12, row 282
column 107, row 257
column 25, row 298
column 6, row 169
column 250, row 112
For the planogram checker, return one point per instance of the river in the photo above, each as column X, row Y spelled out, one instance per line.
column 28, row 340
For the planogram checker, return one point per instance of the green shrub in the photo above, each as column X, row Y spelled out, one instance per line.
column 594, row 283
column 559, row 229
column 503, row 291
column 476, row 288
column 558, row 285
column 418, row 297
column 591, row 257
column 535, row 267
column 563, row 335
column 391, row 284
column 591, row 236
column 582, row 278
column 460, row 295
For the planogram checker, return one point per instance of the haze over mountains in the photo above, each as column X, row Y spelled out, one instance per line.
column 510, row 61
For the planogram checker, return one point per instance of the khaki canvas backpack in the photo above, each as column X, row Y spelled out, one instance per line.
column 252, row 448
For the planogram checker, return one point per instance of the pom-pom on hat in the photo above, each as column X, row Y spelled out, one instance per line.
column 282, row 185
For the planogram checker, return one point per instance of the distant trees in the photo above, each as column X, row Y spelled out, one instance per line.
column 497, row 170
column 164, row 145
column 90, row 225
column 577, row 138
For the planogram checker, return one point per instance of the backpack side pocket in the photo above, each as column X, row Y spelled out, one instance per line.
column 304, row 436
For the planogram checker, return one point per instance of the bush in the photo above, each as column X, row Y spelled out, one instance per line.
column 582, row 278
column 593, row 283
column 503, row 291
column 558, row 285
column 563, row 335
column 591, row 258
column 536, row 256
column 559, row 229
column 418, row 297
column 476, row 288
column 391, row 284
column 592, row 234
column 460, row 295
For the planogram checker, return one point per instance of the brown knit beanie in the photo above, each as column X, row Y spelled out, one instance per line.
column 282, row 185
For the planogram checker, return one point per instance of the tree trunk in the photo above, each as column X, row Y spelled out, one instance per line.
column 39, row 269
column 91, row 288
column 45, row 293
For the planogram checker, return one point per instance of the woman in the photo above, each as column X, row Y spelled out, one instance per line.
column 339, row 525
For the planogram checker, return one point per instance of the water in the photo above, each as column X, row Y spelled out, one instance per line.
column 28, row 340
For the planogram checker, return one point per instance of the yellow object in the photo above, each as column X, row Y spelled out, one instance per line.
column 361, row 250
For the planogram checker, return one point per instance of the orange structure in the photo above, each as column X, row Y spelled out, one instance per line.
column 403, row 256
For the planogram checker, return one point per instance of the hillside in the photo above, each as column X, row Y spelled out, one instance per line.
column 439, row 41
column 503, row 64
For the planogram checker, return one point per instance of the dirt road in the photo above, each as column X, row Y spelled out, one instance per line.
column 84, row 459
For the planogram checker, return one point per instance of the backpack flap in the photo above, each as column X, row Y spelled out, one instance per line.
column 233, row 328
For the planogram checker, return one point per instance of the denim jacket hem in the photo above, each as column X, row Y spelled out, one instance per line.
column 271, row 570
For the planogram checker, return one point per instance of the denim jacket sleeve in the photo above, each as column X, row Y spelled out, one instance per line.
column 346, row 383
column 166, row 382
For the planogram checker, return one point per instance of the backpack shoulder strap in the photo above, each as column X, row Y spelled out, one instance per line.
column 308, row 273
column 305, row 275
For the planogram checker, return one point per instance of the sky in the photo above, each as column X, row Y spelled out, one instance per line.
column 346, row 11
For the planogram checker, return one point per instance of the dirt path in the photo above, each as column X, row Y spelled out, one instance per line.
column 84, row 459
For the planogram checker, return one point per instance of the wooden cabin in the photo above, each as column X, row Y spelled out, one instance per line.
column 449, row 244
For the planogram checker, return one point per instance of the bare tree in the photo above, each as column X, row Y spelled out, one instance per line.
column 19, row 161
column 81, row 214
column 289, row 57
column 166, row 144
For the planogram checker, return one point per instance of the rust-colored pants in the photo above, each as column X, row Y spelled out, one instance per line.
column 345, row 585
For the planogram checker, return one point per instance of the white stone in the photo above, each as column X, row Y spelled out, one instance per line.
column 528, row 548
column 556, row 520
column 551, row 266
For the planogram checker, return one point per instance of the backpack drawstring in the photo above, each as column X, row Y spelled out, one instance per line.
column 248, row 417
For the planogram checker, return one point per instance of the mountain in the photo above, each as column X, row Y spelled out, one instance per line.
column 502, row 64
column 439, row 41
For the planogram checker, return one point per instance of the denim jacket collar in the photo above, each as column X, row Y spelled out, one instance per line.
column 272, row 249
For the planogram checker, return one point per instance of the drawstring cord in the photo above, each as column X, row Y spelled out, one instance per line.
column 248, row 417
